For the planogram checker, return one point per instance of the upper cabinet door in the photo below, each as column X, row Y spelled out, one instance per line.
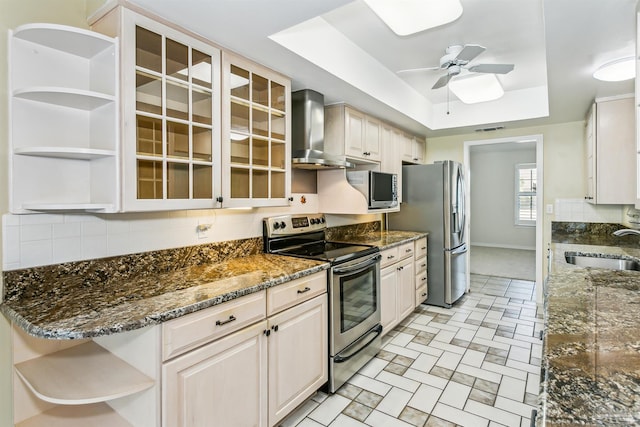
column 256, row 135
column 171, row 123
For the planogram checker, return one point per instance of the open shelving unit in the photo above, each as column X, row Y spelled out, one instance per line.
column 63, row 128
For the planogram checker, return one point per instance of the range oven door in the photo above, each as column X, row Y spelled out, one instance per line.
column 355, row 300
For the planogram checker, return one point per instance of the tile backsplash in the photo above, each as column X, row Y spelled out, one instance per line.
column 579, row 210
column 42, row 239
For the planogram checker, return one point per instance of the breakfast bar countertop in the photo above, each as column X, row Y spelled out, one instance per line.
column 591, row 358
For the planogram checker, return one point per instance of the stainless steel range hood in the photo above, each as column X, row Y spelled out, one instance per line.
column 307, row 133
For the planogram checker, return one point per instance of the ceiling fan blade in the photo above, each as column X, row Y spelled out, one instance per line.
column 492, row 68
column 442, row 81
column 415, row 70
column 469, row 51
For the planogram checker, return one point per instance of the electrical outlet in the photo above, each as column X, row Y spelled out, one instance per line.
column 204, row 231
column 549, row 208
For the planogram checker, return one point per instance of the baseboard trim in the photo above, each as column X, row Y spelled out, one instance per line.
column 494, row 245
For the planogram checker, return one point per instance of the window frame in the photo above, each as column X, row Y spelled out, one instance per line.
column 533, row 194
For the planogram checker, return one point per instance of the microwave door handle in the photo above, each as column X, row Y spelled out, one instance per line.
column 358, row 267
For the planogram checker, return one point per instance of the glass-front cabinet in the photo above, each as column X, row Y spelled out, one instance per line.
column 171, row 118
column 255, row 134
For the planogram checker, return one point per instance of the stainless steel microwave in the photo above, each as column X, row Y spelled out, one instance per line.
column 379, row 188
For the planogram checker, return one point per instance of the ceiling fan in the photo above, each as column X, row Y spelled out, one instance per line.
column 456, row 59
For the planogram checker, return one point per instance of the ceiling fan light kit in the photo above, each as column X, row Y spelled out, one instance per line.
column 617, row 70
column 406, row 17
column 475, row 88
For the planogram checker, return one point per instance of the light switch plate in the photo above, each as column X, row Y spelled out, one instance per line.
column 549, row 208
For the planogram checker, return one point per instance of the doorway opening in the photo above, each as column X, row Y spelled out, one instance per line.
column 505, row 207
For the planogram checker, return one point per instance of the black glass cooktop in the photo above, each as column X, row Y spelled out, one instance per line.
column 329, row 251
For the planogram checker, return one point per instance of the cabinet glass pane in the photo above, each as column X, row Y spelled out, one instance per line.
column 239, row 117
column 260, row 184
column 177, row 60
column 260, row 90
column 260, row 122
column 177, row 180
column 239, row 149
column 277, row 96
column 202, row 144
column 177, row 101
column 277, row 185
column 148, row 93
column 278, row 154
column 148, row 136
column 239, row 183
column 239, row 81
column 148, row 50
column 260, row 152
column 149, row 179
column 177, row 140
column 201, row 107
column 202, row 186
column 201, row 68
column 277, row 126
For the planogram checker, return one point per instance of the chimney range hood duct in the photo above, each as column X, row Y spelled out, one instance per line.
column 307, row 133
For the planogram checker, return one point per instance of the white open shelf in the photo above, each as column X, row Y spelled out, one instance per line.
column 76, row 41
column 65, row 152
column 94, row 415
column 65, row 97
column 81, row 375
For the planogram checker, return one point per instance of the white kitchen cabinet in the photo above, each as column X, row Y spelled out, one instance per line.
column 353, row 134
column 171, row 114
column 222, row 383
column 610, row 152
column 63, row 138
column 397, row 285
column 637, row 110
column 298, row 352
column 413, row 148
column 256, row 134
column 420, row 269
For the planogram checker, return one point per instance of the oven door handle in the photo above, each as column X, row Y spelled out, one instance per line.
column 340, row 359
column 357, row 267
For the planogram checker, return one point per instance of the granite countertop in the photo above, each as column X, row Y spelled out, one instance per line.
column 75, row 306
column 384, row 239
column 591, row 360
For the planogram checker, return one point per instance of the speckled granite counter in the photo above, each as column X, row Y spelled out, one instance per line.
column 592, row 339
column 384, row 239
column 98, row 297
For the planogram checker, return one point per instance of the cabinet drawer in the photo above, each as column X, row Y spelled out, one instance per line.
column 195, row 329
column 421, row 279
column 389, row 256
column 421, row 264
column 421, row 247
column 406, row 250
column 296, row 291
column 421, row 294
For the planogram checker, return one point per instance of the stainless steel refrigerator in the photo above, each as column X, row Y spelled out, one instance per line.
column 433, row 200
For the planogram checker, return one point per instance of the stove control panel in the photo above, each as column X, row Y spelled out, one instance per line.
column 287, row 225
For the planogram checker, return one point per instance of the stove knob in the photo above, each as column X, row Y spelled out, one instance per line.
column 283, row 225
column 313, row 221
column 276, row 225
column 322, row 220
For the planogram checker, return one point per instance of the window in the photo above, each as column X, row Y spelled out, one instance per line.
column 526, row 183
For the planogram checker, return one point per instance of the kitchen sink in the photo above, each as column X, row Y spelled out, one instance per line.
column 598, row 261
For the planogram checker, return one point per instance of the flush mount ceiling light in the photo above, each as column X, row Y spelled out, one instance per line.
column 617, row 70
column 406, row 17
column 476, row 88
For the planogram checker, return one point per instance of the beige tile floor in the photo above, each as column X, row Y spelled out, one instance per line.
column 476, row 364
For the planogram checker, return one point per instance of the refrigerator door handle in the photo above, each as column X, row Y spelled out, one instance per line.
column 459, row 250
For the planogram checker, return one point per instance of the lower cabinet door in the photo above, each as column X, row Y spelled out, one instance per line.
column 388, row 298
column 406, row 288
column 219, row 384
column 298, row 355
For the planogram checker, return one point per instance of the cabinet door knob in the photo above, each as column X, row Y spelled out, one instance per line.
column 423, row 279
column 224, row 322
column 275, row 328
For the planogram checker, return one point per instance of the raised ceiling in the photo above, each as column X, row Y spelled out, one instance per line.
column 342, row 49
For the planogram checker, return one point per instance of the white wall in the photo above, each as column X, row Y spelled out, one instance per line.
column 492, row 189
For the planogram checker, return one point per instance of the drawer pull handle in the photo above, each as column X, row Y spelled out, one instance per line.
column 408, row 250
column 400, row 268
column 224, row 322
column 302, row 291
column 424, row 294
column 390, row 257
column 423, row 279
column 423, row 265
column 423, row 248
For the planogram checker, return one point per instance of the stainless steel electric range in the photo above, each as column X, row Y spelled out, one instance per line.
column 353, row 287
